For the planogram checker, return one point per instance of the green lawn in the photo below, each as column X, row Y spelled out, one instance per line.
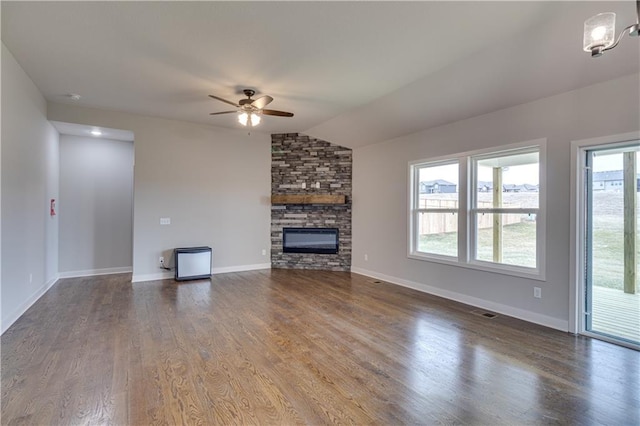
column 519, row 248
column 518, row 242
column 608, row 252
column 608, row 242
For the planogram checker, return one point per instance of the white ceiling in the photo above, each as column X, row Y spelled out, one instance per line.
column 354, row 73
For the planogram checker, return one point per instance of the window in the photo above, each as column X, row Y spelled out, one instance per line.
column 503, row 220
column 481, row 210
column 435, row 209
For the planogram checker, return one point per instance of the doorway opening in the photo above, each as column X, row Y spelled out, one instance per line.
column 96, row 200
column 608, row 297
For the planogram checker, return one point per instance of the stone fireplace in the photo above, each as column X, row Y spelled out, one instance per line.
column 310, row 189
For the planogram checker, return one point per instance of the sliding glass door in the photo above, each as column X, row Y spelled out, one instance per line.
column 612, row 296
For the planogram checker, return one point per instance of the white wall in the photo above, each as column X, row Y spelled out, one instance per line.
column 29, row 181
column 96, row 206
column 213, row 183
column 380, row 196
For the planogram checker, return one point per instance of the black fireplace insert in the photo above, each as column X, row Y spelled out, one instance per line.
column 310, row 240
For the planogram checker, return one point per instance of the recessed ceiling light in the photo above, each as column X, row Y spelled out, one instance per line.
column 74, row 96
column 96, row 132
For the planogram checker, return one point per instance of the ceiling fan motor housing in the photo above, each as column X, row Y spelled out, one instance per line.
column 246, row 103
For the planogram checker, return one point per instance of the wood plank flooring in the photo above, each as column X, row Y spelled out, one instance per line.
column 298, row 347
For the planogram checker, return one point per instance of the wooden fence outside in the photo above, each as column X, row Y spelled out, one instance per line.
column 448, row 222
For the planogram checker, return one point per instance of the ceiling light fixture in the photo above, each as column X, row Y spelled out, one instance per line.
column 600, row 32
column 96, row 132
column 249, row 118
column 74, row 96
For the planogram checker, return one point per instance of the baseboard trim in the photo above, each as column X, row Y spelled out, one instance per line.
column 522, row 314
column 94, row 272
column 136, row 278
column 20, row 310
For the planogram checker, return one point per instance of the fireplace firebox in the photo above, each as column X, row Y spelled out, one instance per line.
column 310, row 240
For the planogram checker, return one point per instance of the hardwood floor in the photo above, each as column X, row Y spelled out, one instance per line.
column 298, row 347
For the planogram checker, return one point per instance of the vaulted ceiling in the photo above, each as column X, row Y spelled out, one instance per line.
column 354, row 73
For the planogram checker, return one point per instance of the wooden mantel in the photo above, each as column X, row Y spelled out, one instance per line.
column 308, row 199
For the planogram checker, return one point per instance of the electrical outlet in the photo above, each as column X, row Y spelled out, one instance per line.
column 537, row 292
column 366, row 257
column 30, row 278
column 264, row 252
column 165, row 221
column 161, row 260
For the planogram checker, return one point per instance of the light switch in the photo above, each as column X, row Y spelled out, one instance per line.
column 165, row 221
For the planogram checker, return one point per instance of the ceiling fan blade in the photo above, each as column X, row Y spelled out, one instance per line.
column 224, row 100
column 262, row 101
column 223, row 112
column 278, row 113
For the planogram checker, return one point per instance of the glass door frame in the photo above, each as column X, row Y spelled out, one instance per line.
column 579, row 219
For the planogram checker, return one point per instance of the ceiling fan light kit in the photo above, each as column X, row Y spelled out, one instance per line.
column 600, row 32
column 249, row 110
column 251, row 119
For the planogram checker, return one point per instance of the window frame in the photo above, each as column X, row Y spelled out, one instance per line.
column 467, row 183
column 474, row 211
column 415, row 210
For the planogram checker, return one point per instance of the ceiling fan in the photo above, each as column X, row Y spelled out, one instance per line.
column 249, row 110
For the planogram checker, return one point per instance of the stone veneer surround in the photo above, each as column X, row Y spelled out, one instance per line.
column 296, row 160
